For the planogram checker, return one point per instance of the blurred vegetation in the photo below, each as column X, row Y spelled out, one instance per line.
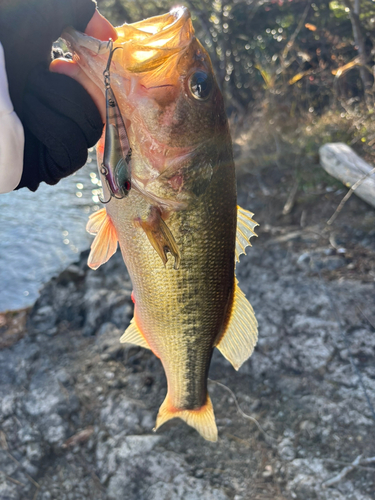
column 296, row 73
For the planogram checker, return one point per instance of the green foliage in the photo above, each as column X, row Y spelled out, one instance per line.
column 338, row 9
column 289, row 71
column 261, row 49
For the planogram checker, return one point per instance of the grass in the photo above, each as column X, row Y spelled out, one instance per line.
column 271, row 136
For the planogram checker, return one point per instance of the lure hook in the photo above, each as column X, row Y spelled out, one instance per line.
column 115, row 167
column 104, row 172
column 106, row 72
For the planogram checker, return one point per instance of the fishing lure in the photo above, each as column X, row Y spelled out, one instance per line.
column 115, row 167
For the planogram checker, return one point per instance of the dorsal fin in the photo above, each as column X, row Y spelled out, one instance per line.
column 105, row 242
column 245, row 230
column 133, row 335
column 241, row 335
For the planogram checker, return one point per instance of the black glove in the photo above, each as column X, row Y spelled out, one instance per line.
column 61, row 122
column 59, row 117
column 27, row 30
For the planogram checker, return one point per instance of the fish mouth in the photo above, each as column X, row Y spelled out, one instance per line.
column 150, row 51
column 146, row 66
column 153, row 41
column 146, row 44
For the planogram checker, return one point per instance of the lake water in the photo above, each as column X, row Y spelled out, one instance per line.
column 43, row 232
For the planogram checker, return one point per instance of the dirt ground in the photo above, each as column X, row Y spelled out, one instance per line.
column 77, row 408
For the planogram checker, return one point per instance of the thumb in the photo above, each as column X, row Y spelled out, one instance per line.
column 100, row 28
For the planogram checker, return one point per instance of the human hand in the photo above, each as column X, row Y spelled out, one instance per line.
column 101, row 29
column 61, row 117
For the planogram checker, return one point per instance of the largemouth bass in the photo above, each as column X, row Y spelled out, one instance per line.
column 179, row 228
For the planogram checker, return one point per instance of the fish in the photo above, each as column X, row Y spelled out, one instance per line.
column 179, row 228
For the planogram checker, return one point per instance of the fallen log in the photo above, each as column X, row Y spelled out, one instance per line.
column 340, row 161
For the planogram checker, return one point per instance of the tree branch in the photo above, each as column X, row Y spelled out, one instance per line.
column 359, row 40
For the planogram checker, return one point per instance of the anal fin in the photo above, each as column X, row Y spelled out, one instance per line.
column 105, row 242
column 245, row 230
column 241, row 335
column 160, row 236
column 134, row 336
column 202, row 419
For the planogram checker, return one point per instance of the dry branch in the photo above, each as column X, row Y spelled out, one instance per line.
column 291, row 198
column 241, row 412
column 348, row 195
column 345, row 471
column 340, row 161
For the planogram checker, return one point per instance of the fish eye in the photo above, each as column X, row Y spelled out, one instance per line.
column 200, row 85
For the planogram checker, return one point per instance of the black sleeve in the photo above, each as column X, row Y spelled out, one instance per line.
column 27, row 30
column 59, row 117
column 60, row 122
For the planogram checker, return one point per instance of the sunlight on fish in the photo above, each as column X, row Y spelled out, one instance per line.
column 179, row 228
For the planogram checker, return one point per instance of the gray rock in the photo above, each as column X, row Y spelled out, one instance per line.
column 162, row 478
column 184, row 487
column 286, row 450
column 44, row 320
column 136, row 445
column 72, row 273
column 108, row 337
column 54, row 429
column 8, row 491
column 28, row 434
column 120, row 413
column 7, row 405
column 34, row 452
column 298, row 384
column 45, row 395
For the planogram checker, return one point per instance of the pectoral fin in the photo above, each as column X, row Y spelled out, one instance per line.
column 241, row 335
column 133, row 335
column 160, row 237
column 95, row 221
column 105, row 242
column 245, row 230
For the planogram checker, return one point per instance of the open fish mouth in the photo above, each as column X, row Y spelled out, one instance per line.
column 152, row 80
column 147, row 44
column 155, row 40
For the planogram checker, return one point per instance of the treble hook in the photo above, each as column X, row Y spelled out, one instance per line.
column 115, row 167
column 106, row 72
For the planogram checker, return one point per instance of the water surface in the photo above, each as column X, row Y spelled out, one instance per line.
column 43, row 232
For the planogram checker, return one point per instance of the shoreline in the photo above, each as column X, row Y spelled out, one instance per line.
column 77, row 408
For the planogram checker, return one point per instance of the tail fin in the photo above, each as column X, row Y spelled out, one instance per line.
column 201, row 419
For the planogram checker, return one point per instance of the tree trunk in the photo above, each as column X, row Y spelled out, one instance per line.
column 354, row 11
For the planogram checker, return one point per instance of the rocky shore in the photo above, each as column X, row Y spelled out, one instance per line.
column 77, row 408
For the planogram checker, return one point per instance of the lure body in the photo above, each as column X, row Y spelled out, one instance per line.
column 115, row 166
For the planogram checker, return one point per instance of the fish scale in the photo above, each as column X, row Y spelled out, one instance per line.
column 175, row 306
column 179, row 228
